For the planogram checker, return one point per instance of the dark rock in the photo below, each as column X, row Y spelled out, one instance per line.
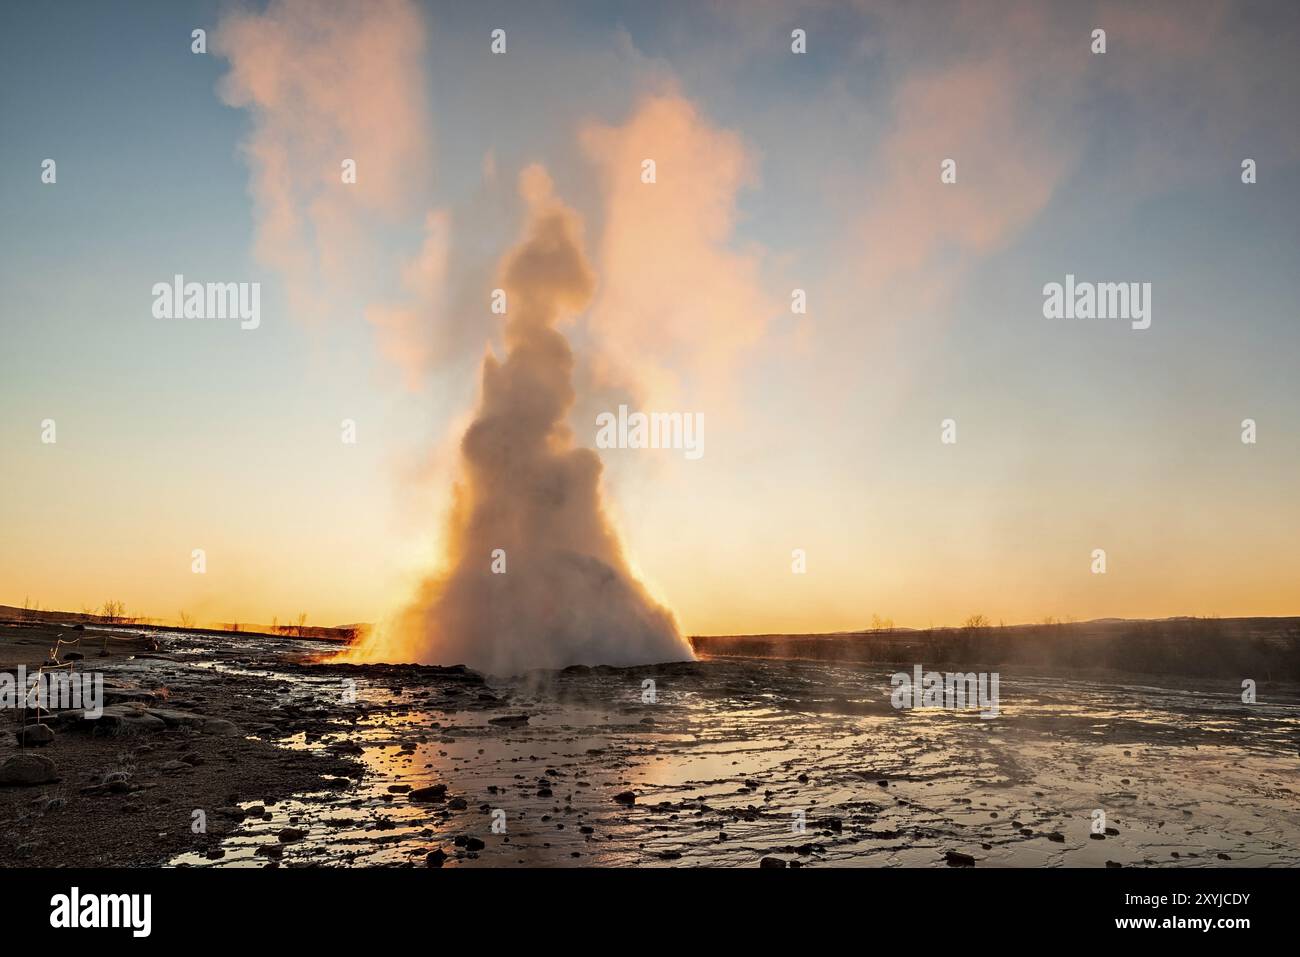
column 434, row 792
column 124, row 719
column 625, row 797
column 958, row 859
column 37, row 735
column 220, row 726
column 178, row 719
column 27, row 769
column 771, row 862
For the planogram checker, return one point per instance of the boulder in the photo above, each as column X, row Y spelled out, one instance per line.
column 124, row 719
column 220, row 726
column 34, row 735
column 178, row 719
column 27, row 769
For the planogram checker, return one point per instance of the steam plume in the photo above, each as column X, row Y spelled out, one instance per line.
column 567, row 595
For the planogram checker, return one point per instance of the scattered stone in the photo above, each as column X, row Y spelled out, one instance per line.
column 436, row 858
column 290, row 834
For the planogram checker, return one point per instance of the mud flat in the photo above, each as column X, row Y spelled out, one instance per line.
column 725, row 762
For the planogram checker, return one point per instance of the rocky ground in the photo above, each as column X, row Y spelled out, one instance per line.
column 725, row 762
column 123, row 789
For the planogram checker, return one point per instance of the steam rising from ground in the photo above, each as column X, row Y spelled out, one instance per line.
column 567, row 595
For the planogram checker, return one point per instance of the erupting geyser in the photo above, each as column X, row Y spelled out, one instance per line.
column 567, row 595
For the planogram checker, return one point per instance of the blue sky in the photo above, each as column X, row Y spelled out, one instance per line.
column 177, row 436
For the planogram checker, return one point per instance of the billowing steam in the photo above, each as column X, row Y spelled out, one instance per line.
column 558, row 591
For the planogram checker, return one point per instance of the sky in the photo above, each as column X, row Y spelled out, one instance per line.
column 775, row 171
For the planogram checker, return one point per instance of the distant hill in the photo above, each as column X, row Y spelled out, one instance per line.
column 338, row 633
column 1261, row 648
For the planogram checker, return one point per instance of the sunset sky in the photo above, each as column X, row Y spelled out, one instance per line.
column 775, row 171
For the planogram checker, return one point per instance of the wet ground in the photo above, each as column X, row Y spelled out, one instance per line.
column 727, row 761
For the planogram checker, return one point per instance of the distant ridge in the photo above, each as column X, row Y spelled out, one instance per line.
column 1266, row 649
